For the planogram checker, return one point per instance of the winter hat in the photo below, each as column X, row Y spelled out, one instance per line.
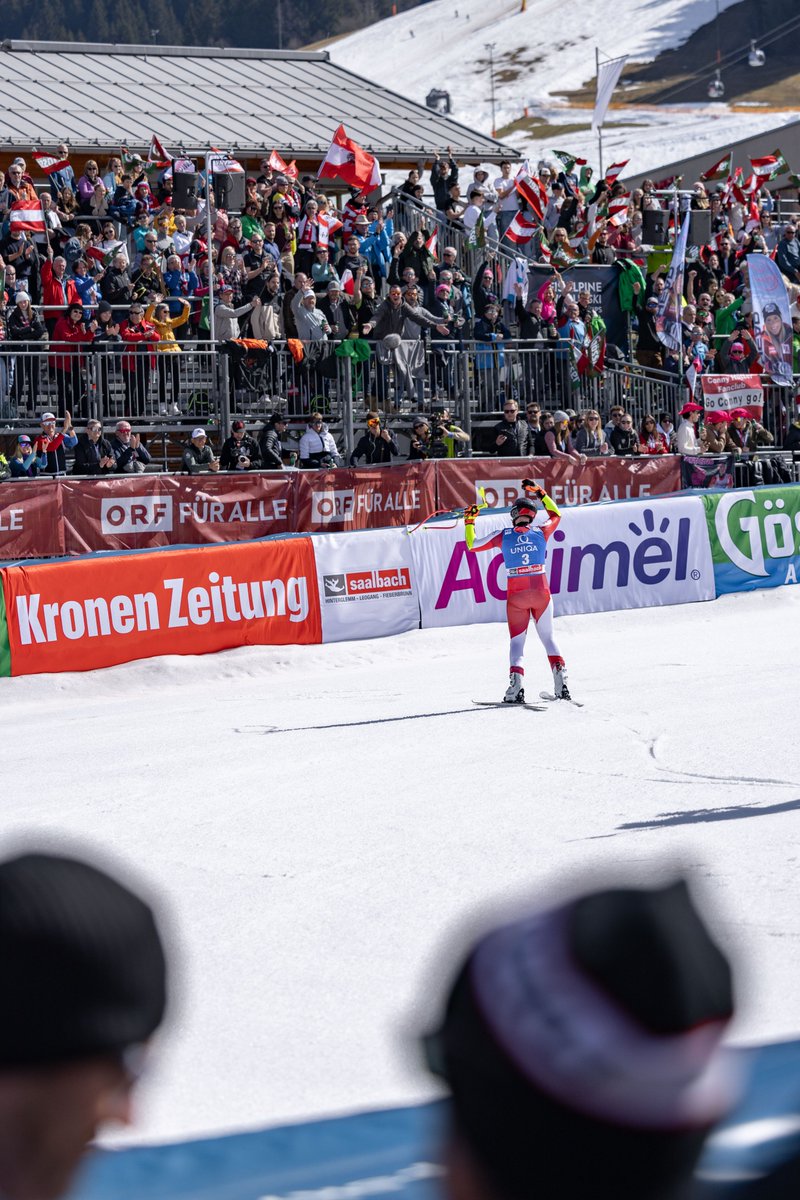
column 83, row 963
column 690, row 408
column 443, row 289
column 652, row 302
column 582, row 1046
column 737, row 348
column 22, row 298
column 237, row 425
column 104, row 307
column 560, row 415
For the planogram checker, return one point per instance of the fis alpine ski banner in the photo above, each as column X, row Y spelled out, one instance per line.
column 772, row 323
column 668, row 314
column 75, row 616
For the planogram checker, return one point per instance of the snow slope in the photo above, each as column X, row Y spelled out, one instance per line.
column 548, row 49
column 316, row 845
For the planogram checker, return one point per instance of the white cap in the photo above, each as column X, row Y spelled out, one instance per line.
column 199, row 432
column 48, row 417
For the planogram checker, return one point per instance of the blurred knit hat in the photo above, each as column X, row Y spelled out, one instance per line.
column 84, row 972
column 582, row 1046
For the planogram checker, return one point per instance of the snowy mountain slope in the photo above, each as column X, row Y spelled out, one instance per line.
column 539, row 54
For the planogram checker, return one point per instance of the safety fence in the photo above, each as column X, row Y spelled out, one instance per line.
column 98, row 611
column 212, row 385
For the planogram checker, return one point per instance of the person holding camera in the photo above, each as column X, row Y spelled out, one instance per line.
column 377, row 446
column 421, row 441
column 318, row 450
column 239, row 452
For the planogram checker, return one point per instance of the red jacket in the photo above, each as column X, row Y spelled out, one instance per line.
column 63, row 357
column 135, row 336
column 52, row 293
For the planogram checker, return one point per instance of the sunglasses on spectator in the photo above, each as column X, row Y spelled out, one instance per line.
column 511, row 410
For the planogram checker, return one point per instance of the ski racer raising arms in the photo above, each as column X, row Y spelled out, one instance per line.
column 534, row 516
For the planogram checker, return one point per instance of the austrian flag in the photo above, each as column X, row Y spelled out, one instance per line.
column 25, row 217
column 50, row 163
column 521, row 230
column 346, row 160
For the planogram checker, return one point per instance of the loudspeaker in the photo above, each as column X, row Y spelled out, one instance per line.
column 184, row 190
column 229, row 190
column 700, row 227
column 655, row 223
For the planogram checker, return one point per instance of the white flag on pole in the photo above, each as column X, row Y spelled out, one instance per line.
column 607, row 75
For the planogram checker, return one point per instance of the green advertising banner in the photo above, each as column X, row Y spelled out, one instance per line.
column 5, row 650
column 755, row 537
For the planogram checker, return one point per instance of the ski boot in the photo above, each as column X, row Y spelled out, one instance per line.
column 560, row 689
column 515, row 692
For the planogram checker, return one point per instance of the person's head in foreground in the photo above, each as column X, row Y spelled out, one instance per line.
column 581, row 1047
column 84, row 989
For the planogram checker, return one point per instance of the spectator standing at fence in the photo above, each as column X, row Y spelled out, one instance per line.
column 270, row 443
column 337, row 311
column 198, row 455
column 511, row 435
column 687, row 439
column 558, row 440
column 93, row 454
column 25, row 463
column 137, row 360
column 377, row 445
column 26, row 331
column 506, row 189
column 590, row 439
column 490, row 336
column 54, row 445
column 167, row 351
column 746, row 433
column 649, row 347
column 70, row 333
column 318, row 450
column 666, row 425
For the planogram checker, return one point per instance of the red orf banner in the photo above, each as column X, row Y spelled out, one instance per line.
column 567, row 482
column 135, row 512
column 31, row 524
column 365, row 497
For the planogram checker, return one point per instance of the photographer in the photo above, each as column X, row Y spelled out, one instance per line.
column 317, row 447
column 239, row 452
column 376, row 446
column 445, row 431
column 421, row 442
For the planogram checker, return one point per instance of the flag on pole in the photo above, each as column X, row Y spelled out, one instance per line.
column 781, row 164
column 277, row 163
column 568, row 160
column 157, row 156
column 618, row 210
column 521, row 230
column 347, row 161
column 607, row 75
column 614, row 170
column 668, row 314
column 50, row 163
column 432, row 244
column 26, row 217
column 545, row 253
column 719, row 170
column 477, row 235
column 533, row 193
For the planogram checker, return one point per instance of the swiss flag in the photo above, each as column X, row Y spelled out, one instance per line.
column 25, row 217
column 346, row 160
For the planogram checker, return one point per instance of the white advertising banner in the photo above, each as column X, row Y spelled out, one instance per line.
column 365, row 584
column 602, row 557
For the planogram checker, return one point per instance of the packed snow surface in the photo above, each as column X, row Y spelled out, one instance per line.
column 318, row 822
column 541, row 53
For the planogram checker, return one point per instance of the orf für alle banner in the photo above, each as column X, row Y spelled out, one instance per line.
column 365, row 497
column 567, row 482
column 721, row 393
column 89, row 613
column 772, row 323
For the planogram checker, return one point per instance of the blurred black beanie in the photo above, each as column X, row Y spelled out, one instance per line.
column 582, row 1047
column 83, row 966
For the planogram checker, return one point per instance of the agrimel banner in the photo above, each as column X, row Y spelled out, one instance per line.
column 755, row 537
column 721, row 393
column 366, row 585
column 95, row 612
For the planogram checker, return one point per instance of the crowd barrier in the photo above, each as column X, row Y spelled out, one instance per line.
column 95, row 612
column 46, row 518
column 398, row 1152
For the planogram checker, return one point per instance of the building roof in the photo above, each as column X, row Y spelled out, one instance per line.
column 785, row 137
column 97, row 97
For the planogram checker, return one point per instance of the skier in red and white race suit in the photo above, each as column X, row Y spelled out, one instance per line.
column 535, row 517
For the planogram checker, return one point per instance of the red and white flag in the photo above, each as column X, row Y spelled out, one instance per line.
column 432, row 244
column 157, row 156
column 533, row 193
column 618, row 210
column 25, row 217
column 348, row 281
column 49, row 163
column 521, row 230
column 329, row 224
column 615, row 169
column 346, row 160
column 277, row 163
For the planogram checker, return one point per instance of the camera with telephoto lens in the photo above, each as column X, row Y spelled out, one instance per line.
column 242, row 458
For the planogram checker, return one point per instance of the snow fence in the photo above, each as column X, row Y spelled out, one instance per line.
column 97, row 611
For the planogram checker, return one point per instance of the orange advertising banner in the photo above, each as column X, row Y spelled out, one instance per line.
column 76, row 616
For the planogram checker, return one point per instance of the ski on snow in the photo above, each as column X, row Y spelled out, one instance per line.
column 516, row 704
column 559, row 699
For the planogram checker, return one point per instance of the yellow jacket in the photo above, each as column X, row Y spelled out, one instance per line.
column 167, row 342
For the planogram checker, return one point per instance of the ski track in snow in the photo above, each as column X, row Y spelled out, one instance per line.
column 549, row 57
column 313, row 877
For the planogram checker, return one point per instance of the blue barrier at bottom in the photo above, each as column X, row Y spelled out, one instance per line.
column 397, row 1152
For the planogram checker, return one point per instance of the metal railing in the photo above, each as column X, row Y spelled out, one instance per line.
column 410, row 215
